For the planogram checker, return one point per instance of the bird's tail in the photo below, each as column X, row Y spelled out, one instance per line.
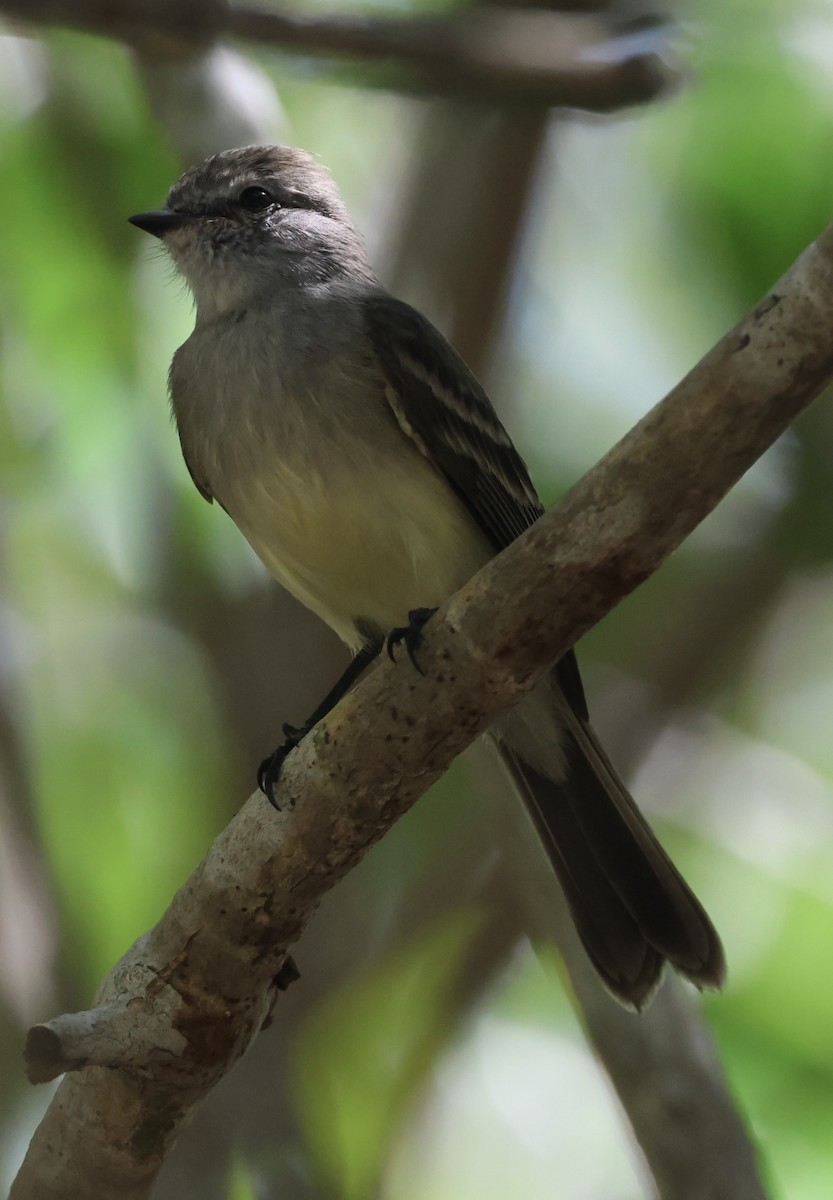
column 631, row 907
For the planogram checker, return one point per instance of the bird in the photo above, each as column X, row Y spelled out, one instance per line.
column 368, row 469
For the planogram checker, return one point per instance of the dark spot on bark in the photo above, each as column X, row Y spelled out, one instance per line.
column 768, row 304
column 149, row 1139
column 211, row 1036
column 743, row 342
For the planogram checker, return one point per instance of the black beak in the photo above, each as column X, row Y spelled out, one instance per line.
column 160, row 222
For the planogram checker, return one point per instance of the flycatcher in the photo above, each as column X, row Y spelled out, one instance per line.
column 366, row 467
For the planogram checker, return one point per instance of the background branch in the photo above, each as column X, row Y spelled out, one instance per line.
column 665, row 1068
column 209, row 967
column 516, row 56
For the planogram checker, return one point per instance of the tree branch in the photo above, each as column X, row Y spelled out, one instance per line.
column 523, row 56
column 207, row 972
column 665, row 1068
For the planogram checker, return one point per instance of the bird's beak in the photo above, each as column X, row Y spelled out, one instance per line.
column 160, row 222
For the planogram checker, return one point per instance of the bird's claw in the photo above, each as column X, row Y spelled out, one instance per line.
column 410, row 634
column 269, row 771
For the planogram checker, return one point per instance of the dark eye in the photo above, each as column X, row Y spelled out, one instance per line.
column 254, row 199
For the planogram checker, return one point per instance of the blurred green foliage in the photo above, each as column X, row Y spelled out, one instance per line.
column 131, row 637
column 352, row 1087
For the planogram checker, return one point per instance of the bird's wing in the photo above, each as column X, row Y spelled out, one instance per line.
column 442, row 408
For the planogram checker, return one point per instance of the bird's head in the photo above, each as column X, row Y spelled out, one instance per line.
column 250, row 220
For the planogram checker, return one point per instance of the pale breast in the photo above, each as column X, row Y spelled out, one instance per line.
column 303, row 452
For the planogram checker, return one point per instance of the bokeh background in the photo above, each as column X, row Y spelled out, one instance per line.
column 146, row 661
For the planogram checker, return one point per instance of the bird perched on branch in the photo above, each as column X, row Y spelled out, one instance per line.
column 367, row 468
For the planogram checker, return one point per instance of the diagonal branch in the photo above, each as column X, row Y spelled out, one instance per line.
column 665, row 1069
column 207, row 973
column 518, row 56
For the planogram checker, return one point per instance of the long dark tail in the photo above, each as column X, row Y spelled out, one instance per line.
column 631, row 907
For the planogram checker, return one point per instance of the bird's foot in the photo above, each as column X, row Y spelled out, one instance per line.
column 269, row 771
column 410, row 634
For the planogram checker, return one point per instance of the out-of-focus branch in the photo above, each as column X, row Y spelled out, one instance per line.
column 519, row 56
column 27, row 911
column 210, row 968
column 671, row 1084
column 209, row 99
column 663, row 1064
column 465, row 208
column 669, row 1079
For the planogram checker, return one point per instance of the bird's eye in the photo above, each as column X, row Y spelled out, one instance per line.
column 254, row 199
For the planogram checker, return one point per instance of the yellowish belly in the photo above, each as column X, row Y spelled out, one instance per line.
column 363, row 548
